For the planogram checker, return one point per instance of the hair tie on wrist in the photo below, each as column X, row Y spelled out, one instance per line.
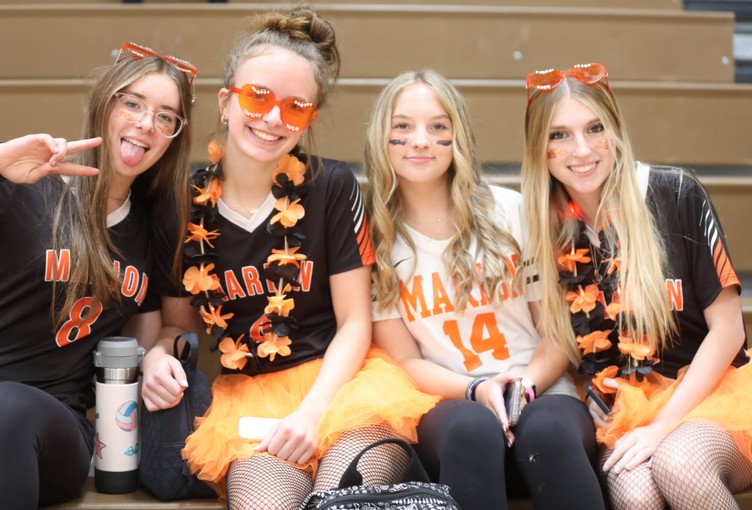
column 472, row 386
column 530, row 388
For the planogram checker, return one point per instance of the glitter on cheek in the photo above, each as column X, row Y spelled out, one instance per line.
column 557, row 153
column 445, row 143
column 601, row 145
column 398, row 141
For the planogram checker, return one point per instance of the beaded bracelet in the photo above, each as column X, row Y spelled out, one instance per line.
column 472, row 386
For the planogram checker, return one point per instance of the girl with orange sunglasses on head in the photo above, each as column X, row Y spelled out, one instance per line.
column 638, row 287
column 455, row 305
column 277, row 264
column 77, row 265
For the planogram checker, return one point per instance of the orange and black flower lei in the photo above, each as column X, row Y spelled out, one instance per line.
column 591, row 276
column 282, row 268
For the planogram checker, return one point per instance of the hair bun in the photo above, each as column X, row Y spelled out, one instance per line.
column 304, row 24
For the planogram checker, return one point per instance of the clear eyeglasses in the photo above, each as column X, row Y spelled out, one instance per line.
column 133, row 109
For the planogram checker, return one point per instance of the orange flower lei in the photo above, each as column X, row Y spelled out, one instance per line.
column 283, row 265
column 591, row 284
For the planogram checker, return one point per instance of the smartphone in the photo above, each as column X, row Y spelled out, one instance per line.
column 513, row 395
column 597, row 399
column 253, row 427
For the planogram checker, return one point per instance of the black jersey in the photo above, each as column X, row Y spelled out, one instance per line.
column 59, row 361
column 698, row 259
column 336, row 240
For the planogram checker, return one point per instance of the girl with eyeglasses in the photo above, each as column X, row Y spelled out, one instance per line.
column 76, row 267
column 453, row 307
column 277, row 260
column 639, row 289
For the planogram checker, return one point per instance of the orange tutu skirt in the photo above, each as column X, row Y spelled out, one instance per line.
column 729, row 405
column 380, row 393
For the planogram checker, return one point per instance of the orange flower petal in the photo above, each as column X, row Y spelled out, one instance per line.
column 614, row 264
column 211, row 194
column 216, row 152
column 639, row 351
column 279, row 305
column 274, row 345
column 596, row 341
column 200, row 234
column 234, row 353
column 199, row 279
column 606, row 373
column 292, row 167
column 214, row 317
column 286, row 257
column 289, row 212
column 612, row 310
column 568, row 260
column 584, row 300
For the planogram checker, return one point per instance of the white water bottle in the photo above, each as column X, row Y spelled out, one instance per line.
column 117, row 360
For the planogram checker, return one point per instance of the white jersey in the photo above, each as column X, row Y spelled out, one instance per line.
column 483, row 340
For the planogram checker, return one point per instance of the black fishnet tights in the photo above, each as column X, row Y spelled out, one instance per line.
column 696, row 467
column 631, row 490
column 262, row 482
column 266, row 483
column 382, row 465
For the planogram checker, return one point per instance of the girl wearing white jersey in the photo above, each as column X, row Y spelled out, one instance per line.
column 452, row 307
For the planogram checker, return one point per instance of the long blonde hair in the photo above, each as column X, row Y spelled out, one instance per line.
column 552, row 230
column 471, row 198
column 80, row 216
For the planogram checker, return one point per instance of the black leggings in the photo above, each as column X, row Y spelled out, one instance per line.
column 556, row 453
column 461, row 445
column 45, row 448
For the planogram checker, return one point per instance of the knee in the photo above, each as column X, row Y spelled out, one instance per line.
column 672, row 473
column 688, row 449
column 462, row 425
column 636, row 500
column 535, row 432
column 669, row 465
column 473, row 427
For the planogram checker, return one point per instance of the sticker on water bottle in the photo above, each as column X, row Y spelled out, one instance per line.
column 117, row 427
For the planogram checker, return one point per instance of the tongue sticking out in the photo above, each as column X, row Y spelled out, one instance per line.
column 130, row 153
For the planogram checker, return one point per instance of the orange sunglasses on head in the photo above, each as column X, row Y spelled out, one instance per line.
column 138, row 52
column 256, row 101
column 552, row 78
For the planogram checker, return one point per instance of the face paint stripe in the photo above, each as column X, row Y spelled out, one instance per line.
column 601, row 145
column 556, row 153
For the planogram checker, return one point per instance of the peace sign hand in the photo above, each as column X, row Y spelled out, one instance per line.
column 27, row 159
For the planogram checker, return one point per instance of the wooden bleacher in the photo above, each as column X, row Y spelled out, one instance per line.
column 92, row 500
column 480, row 42
column 672, row 70
column 681, row 108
